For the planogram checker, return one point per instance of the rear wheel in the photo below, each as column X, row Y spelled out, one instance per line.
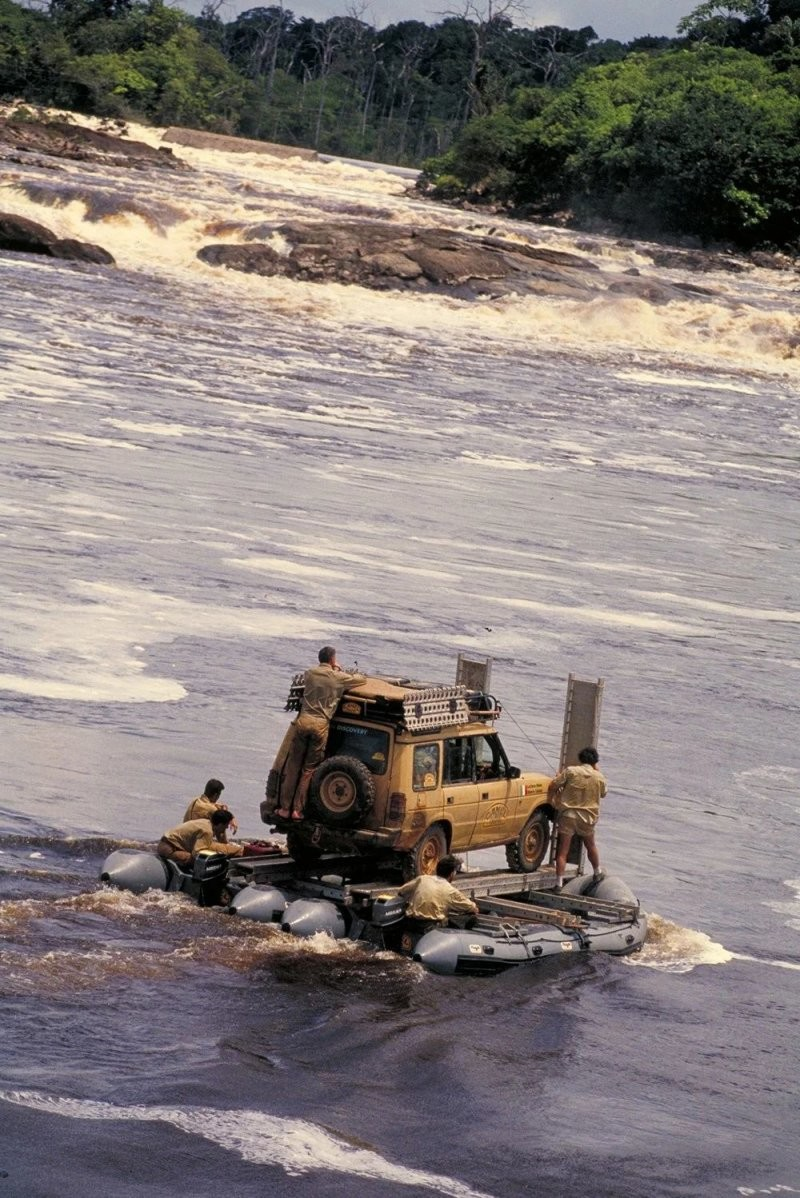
column 426, row 854
column 526, row 853
column 341, row 791
column 305, row 855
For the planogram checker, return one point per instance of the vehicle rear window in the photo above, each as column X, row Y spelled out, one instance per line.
column 369, row 745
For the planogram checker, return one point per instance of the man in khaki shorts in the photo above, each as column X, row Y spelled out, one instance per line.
column 304, row 745
column 575, row 794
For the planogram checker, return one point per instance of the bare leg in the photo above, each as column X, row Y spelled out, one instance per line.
column 300, row 794
column 592, row 853
column 562, row 851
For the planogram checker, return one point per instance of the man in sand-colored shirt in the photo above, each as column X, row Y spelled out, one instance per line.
column 433, row 899
column 575, row 794
column 304, row 745
column 182, row 843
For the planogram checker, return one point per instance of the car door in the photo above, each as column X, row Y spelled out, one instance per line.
column 459, row 789
column 498, row 795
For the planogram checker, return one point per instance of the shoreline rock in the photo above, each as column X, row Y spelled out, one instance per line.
column 58, row 138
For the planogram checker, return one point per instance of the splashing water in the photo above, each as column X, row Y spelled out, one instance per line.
column 296, row 1145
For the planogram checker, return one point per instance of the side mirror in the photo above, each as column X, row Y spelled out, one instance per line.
column 514, row 771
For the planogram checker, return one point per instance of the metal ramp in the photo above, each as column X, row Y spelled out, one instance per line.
column 581, row 718
column 527, row 912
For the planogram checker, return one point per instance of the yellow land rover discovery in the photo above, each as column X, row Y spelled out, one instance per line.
column 413, row 771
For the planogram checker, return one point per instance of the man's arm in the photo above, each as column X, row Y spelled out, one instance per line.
column 345, row 681
column 557, row 785
column 459, row 904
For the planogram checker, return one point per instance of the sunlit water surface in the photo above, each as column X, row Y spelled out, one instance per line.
column 206, row 476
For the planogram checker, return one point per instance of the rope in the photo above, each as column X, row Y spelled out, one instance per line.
column 530, row 740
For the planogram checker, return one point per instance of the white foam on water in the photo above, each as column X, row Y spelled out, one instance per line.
column 295, row 1145
column 735, row 611
column 229, row 191
column 791, row 965
column 789, row 908
column 647, row 621
column 496, row 462
column 85, row 649
column 156, row 429
column 671, row 948
column 656, row 464
column 655, row 379
column 280, row 565
column 379, row 559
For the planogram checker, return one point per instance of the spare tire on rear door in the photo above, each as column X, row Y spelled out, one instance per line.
column 341, row 792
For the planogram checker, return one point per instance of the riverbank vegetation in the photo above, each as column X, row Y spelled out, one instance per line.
column 699, row 134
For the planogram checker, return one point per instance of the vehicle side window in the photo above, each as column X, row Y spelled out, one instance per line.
column 459, row 761
column 489, row 762
column 426, row 767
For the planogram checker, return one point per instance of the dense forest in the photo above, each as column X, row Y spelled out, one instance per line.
column 699, row 133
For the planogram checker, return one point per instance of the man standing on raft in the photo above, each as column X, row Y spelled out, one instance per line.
column 575, row 794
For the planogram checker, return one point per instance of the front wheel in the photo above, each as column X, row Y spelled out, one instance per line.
column 426, row 854
column 526, row 853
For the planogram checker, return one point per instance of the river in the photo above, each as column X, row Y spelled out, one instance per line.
column 208, row 475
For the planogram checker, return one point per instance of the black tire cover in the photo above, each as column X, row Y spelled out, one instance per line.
column 357, row 788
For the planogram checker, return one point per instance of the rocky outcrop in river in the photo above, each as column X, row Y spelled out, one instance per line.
column 28, row 237
column 20, row 139
column 386, row 256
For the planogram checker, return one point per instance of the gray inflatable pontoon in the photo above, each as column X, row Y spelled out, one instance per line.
column 511, row 930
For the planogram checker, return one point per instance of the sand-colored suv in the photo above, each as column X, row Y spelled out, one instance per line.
column 414, row 771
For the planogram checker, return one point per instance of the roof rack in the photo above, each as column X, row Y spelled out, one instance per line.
column 414, row 706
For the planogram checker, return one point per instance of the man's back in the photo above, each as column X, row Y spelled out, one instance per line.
column 431, row 897
column 323, row 687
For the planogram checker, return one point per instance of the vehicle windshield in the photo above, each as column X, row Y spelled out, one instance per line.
column 369, row 745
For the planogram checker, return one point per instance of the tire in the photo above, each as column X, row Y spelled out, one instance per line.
column 305, row 855
column 426, row 853
column 526, row 853
column 341, row 793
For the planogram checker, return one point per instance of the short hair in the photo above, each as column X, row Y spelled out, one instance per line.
column 588, row 756
column 214, row 788
column 221, row 818
column 326, row 654
column 447, row 865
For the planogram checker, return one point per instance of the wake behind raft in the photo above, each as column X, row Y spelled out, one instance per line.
column 522, row 918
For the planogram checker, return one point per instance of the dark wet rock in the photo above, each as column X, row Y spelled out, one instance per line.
column 62, row 139
column 645, row 289
column 774, row 261
column 697, row 260
column 81, row 251
column 19, row 233
column 385, row 256
column 382, row 255
column 250, row 259
column 27, row 237
column 694, row 289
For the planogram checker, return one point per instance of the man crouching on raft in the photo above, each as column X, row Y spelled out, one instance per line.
column 575, row 794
